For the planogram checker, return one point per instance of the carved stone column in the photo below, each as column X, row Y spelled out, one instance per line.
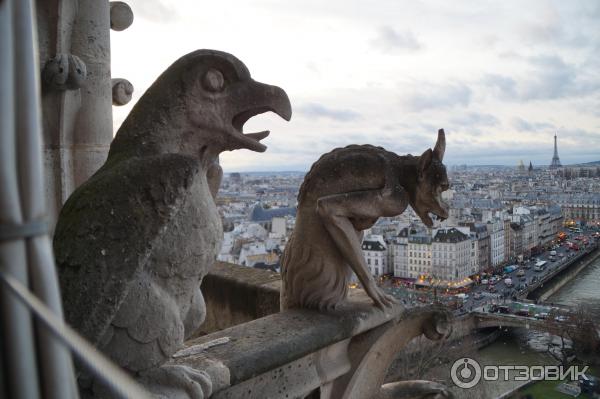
column 77, row 95
column 93, row 129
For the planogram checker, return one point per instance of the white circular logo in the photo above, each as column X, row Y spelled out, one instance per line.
column 465, row 373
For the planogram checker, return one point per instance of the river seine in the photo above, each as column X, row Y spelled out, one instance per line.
column 523, row 347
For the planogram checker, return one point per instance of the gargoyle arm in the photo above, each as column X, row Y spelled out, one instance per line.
column 214, row 175
column 339, row 210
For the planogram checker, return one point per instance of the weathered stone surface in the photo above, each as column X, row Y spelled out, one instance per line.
column 122, row 90
column 345, row 192
column 275, row 340
column 237, row 294
column 77, row 123
column 414, row 390
column 121, row 15
column 133, row 243
column 64, row 72
column 283, row 353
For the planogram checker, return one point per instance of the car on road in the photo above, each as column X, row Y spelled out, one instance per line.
column 541, row 316
column 522, row 312
column 477, row 295
column 499, row 309
column 561, row 318
column 462, row 296
column 485, row 281
column 521, row 273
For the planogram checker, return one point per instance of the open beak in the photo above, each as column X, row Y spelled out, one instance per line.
column 252, row 98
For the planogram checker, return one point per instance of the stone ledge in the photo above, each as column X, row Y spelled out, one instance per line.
column 261, row 345
column 237, row 294
column 300, row 349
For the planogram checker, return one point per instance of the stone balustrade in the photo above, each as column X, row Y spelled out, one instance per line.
column 237, row 294
column 298, row 353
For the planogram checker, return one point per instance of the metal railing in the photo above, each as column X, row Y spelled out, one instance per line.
column 35, row 361
column 111, row 376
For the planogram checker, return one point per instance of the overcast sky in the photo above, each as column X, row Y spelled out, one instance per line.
column 501, row 77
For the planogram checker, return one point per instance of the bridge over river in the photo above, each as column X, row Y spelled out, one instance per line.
column 486, row 319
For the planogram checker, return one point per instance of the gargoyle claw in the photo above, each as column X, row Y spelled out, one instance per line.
column 380, row 299
column 177, row 382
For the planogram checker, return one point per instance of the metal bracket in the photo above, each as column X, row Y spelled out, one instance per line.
column 9, row 232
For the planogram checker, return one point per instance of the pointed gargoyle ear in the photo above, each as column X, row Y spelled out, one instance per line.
column 440, row 145
column 425, row 160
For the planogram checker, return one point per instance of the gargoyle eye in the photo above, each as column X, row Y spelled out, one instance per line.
column 213, row 81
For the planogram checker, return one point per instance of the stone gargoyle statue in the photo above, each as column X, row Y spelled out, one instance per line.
column 133, row 243
column 344, row 193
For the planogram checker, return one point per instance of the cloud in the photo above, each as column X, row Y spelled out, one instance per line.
column 562, row 24
column 432, row 96
column 548, row 77
column 551, row 78
column 505, row 86
column 525, row 126
column 388, row 39
column 580, row 137
column 476, row 119
column 380, row 75
column 314, row 110
column 154, row 10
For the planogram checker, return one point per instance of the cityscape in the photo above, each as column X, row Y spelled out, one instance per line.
column 248, row 199
column 513, row 233
column 499, row 215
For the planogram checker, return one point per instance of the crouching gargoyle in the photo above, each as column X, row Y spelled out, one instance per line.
column 344, row 193
column 133, row 243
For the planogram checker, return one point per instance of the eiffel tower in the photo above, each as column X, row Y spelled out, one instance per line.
column 555, row 160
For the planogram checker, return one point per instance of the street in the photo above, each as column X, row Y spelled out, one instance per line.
column 492, row 289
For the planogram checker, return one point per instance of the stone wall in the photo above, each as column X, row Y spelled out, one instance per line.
column 559, row 277
column 567, row 275
column 237, row 294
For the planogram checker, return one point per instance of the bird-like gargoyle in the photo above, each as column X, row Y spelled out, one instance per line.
column 344, row 193
column 133, row 243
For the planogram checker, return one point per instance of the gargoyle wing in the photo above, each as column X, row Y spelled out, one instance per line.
column 106, row 232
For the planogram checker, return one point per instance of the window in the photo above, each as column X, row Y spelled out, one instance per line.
column 376, row 262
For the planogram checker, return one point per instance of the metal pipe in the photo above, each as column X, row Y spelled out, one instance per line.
column 3, row 387
column 110, row 375
column 18, row 347
column 55, row 363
